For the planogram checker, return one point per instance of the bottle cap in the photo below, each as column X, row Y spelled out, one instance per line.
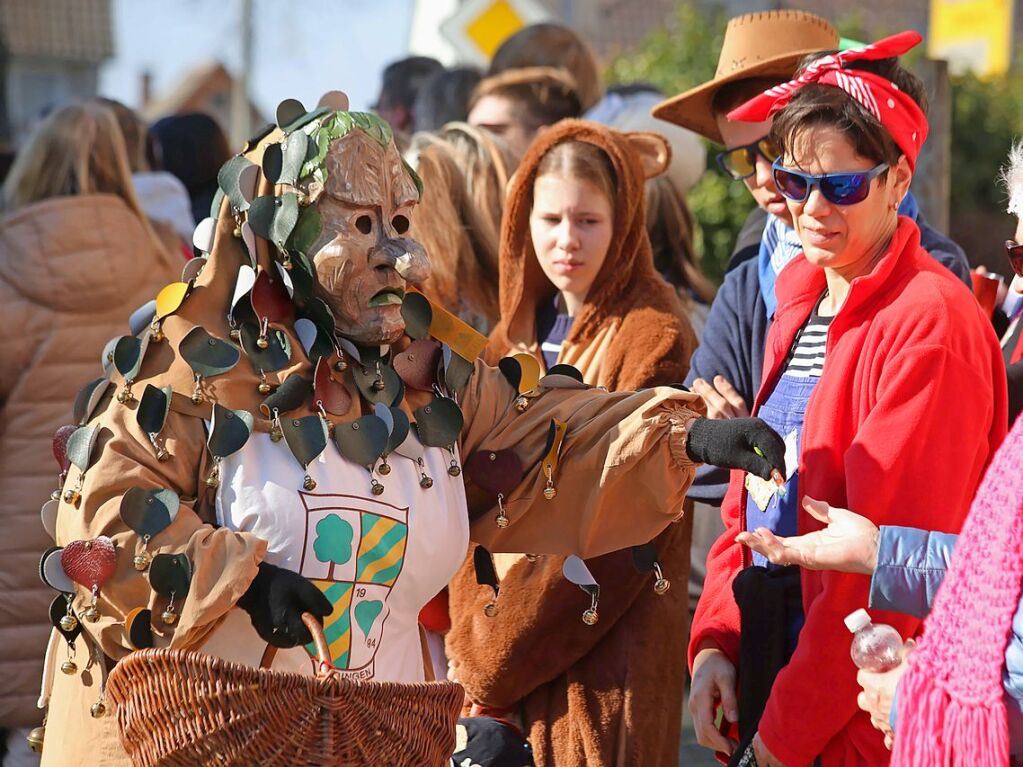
column 856, row 620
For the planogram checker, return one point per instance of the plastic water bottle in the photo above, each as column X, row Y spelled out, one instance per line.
column 875, row 646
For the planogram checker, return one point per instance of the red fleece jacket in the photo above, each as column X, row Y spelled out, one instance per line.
column 910, row 409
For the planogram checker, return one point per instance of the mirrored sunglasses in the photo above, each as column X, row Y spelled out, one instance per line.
column 1014, row 252
column 741, row 162
column 837, row 188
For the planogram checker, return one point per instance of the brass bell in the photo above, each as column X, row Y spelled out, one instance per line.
column 384, row 468
column 425, row 482
column 521, row 404
column 590, row 617
column 264, row 387
column 490, row 609
column 236, row 335
column 276, row 435
column 91, row 614
column 68, row 622
column 169, row 616
column 140, row 561
column 661, row 586
column 35, row 739
column 69, row 667
column 213, row 478
column 157, row 333
column 454, row 469
column 97, row 709
column 162, row 454
column 378, row 384
column 502, row 520
column 55, row 495
column 124, row 396
column 377, row 488
column 550, row 492
column 262, row 342
column 341, row 366
column 309, row 483
column 71, row 496
column 237, row 232
column 197, row 397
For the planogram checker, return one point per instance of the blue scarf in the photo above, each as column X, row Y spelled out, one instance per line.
column 779, row 244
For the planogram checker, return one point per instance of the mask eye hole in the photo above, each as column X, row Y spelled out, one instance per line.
column 400, row 224
column 364, row 224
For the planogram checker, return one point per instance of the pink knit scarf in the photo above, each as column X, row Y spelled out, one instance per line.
column 951, row 709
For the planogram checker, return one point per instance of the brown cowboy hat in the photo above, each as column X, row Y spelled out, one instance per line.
column 756, row 45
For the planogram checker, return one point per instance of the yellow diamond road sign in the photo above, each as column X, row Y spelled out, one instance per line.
column 479, row 27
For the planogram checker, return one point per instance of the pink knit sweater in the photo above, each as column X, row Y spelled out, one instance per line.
column 951, row 709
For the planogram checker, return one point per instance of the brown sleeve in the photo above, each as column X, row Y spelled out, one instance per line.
column 503, row 658
column 223, row 562
column 623, row 474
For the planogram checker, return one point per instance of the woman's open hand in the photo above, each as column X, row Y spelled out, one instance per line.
column 848, row 544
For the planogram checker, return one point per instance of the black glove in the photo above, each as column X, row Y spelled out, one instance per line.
column 276, row 599
column 732, row 443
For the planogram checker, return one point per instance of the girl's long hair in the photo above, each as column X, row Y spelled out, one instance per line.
column 465, row 172
column 76, row 150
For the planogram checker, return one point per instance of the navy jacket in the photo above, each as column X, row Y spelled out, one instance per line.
column 732, row 343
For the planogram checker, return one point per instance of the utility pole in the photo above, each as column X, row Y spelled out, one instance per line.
column 240, row 113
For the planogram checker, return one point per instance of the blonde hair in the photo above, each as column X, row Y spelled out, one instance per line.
column 465, row 172
column 552, row 45
column 76, row 150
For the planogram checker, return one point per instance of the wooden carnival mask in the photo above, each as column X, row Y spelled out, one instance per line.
column 362, row 259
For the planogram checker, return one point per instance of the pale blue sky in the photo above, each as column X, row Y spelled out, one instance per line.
column 302, row 48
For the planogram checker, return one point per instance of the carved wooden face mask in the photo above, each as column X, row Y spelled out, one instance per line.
column 363, row 261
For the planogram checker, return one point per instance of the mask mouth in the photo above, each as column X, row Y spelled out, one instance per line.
column 391, row 296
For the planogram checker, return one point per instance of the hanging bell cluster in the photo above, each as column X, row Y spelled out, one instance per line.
column 576, row 571
column 486, row 575
column 661, row 584
column 35, row 739
column 125, row 396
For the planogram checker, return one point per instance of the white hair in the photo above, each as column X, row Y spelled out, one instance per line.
column 1012, row 177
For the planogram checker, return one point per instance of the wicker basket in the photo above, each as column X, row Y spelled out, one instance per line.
column 176, row 707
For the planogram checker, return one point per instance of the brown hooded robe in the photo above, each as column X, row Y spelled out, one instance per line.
column 608, row 694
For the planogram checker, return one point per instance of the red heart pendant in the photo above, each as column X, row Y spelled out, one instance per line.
column 417, row 365
column 496, row 471
column 332, row 394
column 90, row 563
column 60, row 438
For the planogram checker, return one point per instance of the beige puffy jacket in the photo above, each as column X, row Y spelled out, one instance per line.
column 71, row 271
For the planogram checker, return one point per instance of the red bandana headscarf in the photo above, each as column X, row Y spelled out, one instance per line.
column 900, row 115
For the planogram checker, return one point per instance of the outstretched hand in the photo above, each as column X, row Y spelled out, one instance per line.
column 848, row 544
column 737, row 443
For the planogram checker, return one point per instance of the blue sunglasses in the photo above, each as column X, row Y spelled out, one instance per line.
column 837, row 188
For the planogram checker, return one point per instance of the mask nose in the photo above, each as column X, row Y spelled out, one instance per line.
column 406, row 256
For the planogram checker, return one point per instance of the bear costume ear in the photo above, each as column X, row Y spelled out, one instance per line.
column 336, row 101
column 653, row 150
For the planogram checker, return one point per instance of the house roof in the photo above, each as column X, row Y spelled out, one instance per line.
column 76, row 30
column 192, row 82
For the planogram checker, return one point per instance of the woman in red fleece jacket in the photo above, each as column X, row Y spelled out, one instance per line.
column 887, row 383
